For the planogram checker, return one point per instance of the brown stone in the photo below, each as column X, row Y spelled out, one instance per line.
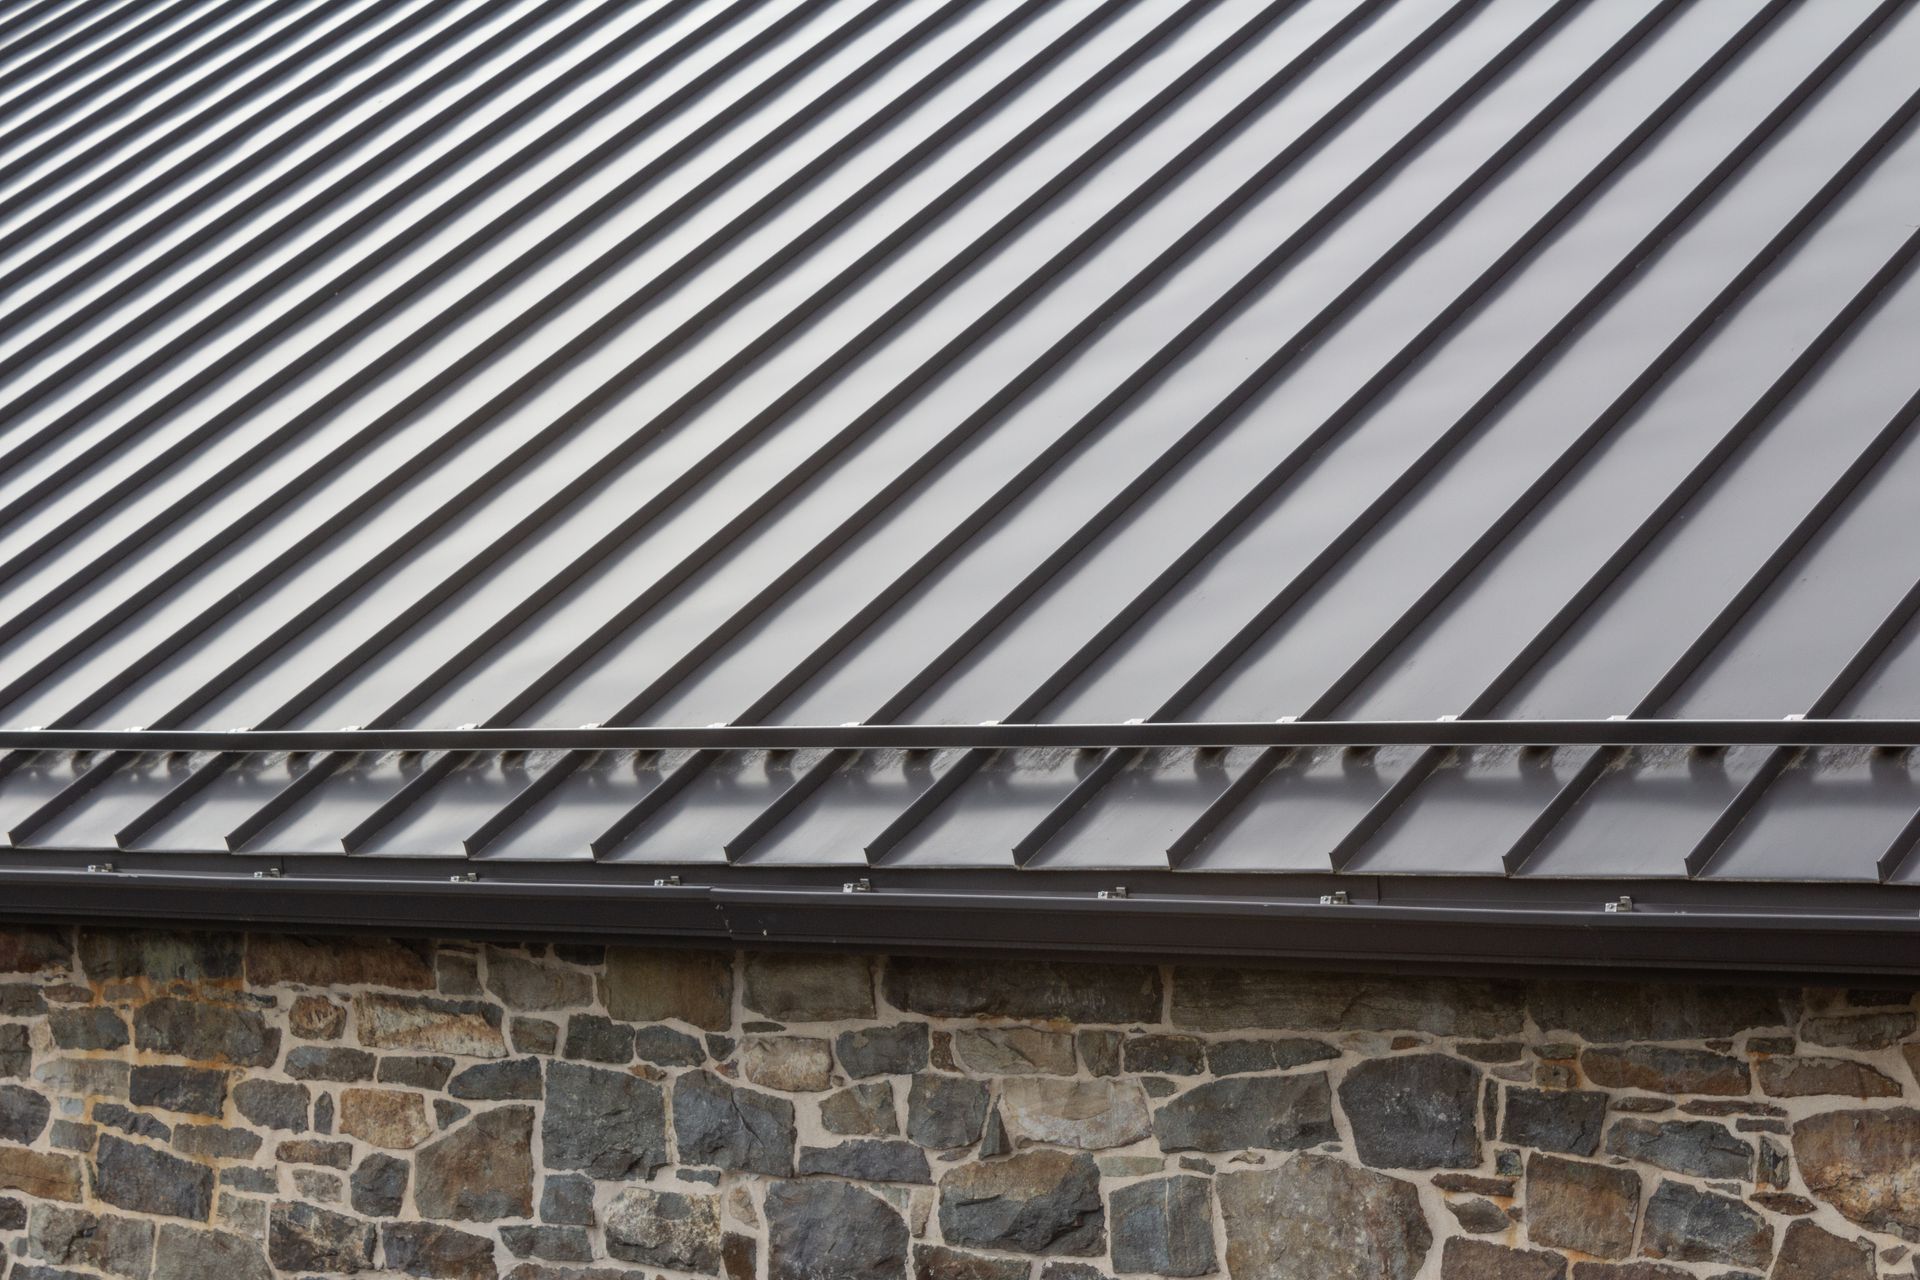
column 427, row 1024
column 206, row 1032
column 159, row 955
column 1479, row 1260
column 1236, row 999
column 861, row 1111
column 277, row 958
column 1617, row 1011
column 1628, row 1271
column 522, row 983
column 479, row 1172
column 1572, row 1204
column 1318, row 1218
column 31, row 950
column 1815, row 1077
column 429, row 1250
column 316, row 1018
column 935, row 1262
column 1010, row 1051
column 1784, row 1202
column 791, row 1064
column 1090, row 1115
column 46, row 1177
column 1863, row 1163
column 390, row 1118
column 1808, row 1253
column 644, row 985
column 822, row 987
column 1664, row 1070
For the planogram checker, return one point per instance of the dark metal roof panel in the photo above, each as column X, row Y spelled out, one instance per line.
column 939, row 362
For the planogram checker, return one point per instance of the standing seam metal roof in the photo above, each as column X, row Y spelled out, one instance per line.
column 954, row 362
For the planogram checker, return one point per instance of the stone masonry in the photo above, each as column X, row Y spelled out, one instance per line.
column 197, row 1106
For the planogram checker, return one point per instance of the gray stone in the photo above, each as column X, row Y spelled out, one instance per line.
column 665, row 1047
column 592, row 1038
column 1416, row 1111
column 1686, row 1224
column 861, row 1110
column 1815, row 1077
column 1697, row 1147
column 1664, row 1070
column 944, row 1112
column 1072, row 1271
column 936, row 1262
column 479, row 1172
column 181, row 1253
column 146, row 1180
column 607, row 1123
column 312, row 1062
column 1862, row 1163
column 527, row 984
column 93, row 1077
column 1865, row 1031
column 1039, row 1201
column 444, row 1253
column 428, row 1024
column 1165, row 1055
column 1592, row 1208
column 379, row 1185
column 273, row 1104
column 195, row 1090
column 567, row 1198
column 334, row 1155
column 259, row 1181
column 1808, row 1253
column 498, row 1081
column 159, row 955
column 447, row 1114
column 71, row 1135
column 1164, row 1227
column 554, row 1244
column 1002, row 1051
column 323, row 1113
column 428, row 1071
column 534, row 1035
column 23, row 1114
column 1563, row 1120
column 825, row 987
column 868, row 1160
column 216, row 1142
column 1612, row 1011
column 1479, row 1217
column 878, row 1051
column 665, row 1229
column 319, row 1186
column 1318, row 1218
column 654, row 986
column 1479, row 1260
column 87, row 1028
column 206, row 1032
column 285, row 958
column 21, row 1000
column 304, row 1237
column 74, row 1237
column 791, row 1064
column 1023, row 989
column 1241, row 999
column 1275, row 1113
column 719, row 1124
column 1091, row 1115
column 824, row 1230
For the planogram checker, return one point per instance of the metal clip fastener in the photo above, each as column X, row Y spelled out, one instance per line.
column 1338, row 898
column 857, row 886
column 271, row 873
column 667, row 882
column 101, row 868
column 1118, row 891
column 1620, row 905
column 465, row 877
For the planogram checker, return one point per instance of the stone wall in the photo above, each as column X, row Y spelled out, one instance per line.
column 202, row 1106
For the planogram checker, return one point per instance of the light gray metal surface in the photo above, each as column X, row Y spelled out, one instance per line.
column 791, row 362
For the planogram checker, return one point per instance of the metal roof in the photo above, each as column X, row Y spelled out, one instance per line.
column 1247, row 452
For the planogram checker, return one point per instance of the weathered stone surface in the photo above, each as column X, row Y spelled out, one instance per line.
column 608, row 1123
column 73, row 1237
column 567, row 1198
column 391, row 1118
column 16, row 1051
column 824, row 1230
column 1866, row 1164
column 498, row 1081
column 521, row 983
column 1635, row 1271
column 665, row 1229
column 195, row 1090
column 416, row 1071
column 592, row 1038
column 540, row 1271
column 555, row 1244
column 334, row 1155
column 276, row 958
column 1088, row 1114
column 879, row 1051
column 1318, row 1218
column 534, row 1035
column 1697, row 1147
column 1238, row 1057
column 868, row 1160
column 807, row 988
column 317, row 1018
column 206, row 1032
column 303, row 1237
column 1416, row 1111
column 861, row 1110
column 30, row 950
column 1277, row 1113
column 216, row 1142
column 1564, row 1120
column 159, row 955
column 1023, row 989
column 93, row 1077
column 46, row 1177
column 732, row 1128
column 1072, row 1271
column 23, row 1114
column 1666, row 1070
column 1614, row 1011
column 791, row 1064
column 443, row 1253
column 1164, row 1055
column 1687, row 1224
column 1039, row 1201
column 182, row 1253
column 739, row 1257
column 654, row 986
column 481, row 1171
column 935, row 1262
column 313, row 1062
column 1808, row 1253
column 1163, row 1227
column 1479, row 1217
column 1865, row 1031
column 379, row 1185
column 1014, row 1051
column 147, row 1180
column 85, row 1028
column 666, row 1047
column 1592, row 1208
column 1478, row 1260
column 273, row 1104
column 1816, row 1076
column 944, row 1112
column 428, row 1024
column 1229, row 999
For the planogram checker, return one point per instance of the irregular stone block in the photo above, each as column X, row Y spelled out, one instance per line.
column 88, row 1077
column 1478, row 1260
column 1863, row 1163
column 1275, row 1113
column 1040, row 1201
column 592, row 1038
column 944, row 1112
column 824, row 987
column 87, row 1028
column 275, row 959
column 1090, row 1115
column 273, row 1104
column 304, row 1237
column 526, row 984
column 24, row 949
column 334, row 1155
column 74, row 1237
column 534, row 1035
column 311, row 1062
column 818, row 1229
column 1814, row 1077
column 216, row 1142
column 665, row 1047
column 869, row 1160
column 159, row 955
column 1318, row 1218
column 1562, row 1120
column 378, row 1187
column 567, row 1198
column 23, row 1114
column 479, row 1172
column 1006, row 1051
column 443, row 1253
column 45, row 1177
column 498, row 1081
column 1164, row 1227
column 1243, row 999
column 879, row 1051
column 1697, row 1147
column 195, row 1090
column 1164, row 1055
column 206, row 1032
column 1480, row 1217
column 416, row 1071
column 1687, row 1224
column 1616, row 1011
column 1664, row 1070
column 428, row 1024
column 1592, row 1208
column 555, row 1244
column 317, row 1018
column 717, row 1124
column 791, row 1064
column 665, row 1229
column 181, row 1253
column 391, row 1118
column 654, row 986
column 1808, row 1253
column 1048, row 989
column 146, row 1180
column 862, row 1110
column 1865, row 1031
column 936, row 1262
column 608, row 1123
column 1414, row 1111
